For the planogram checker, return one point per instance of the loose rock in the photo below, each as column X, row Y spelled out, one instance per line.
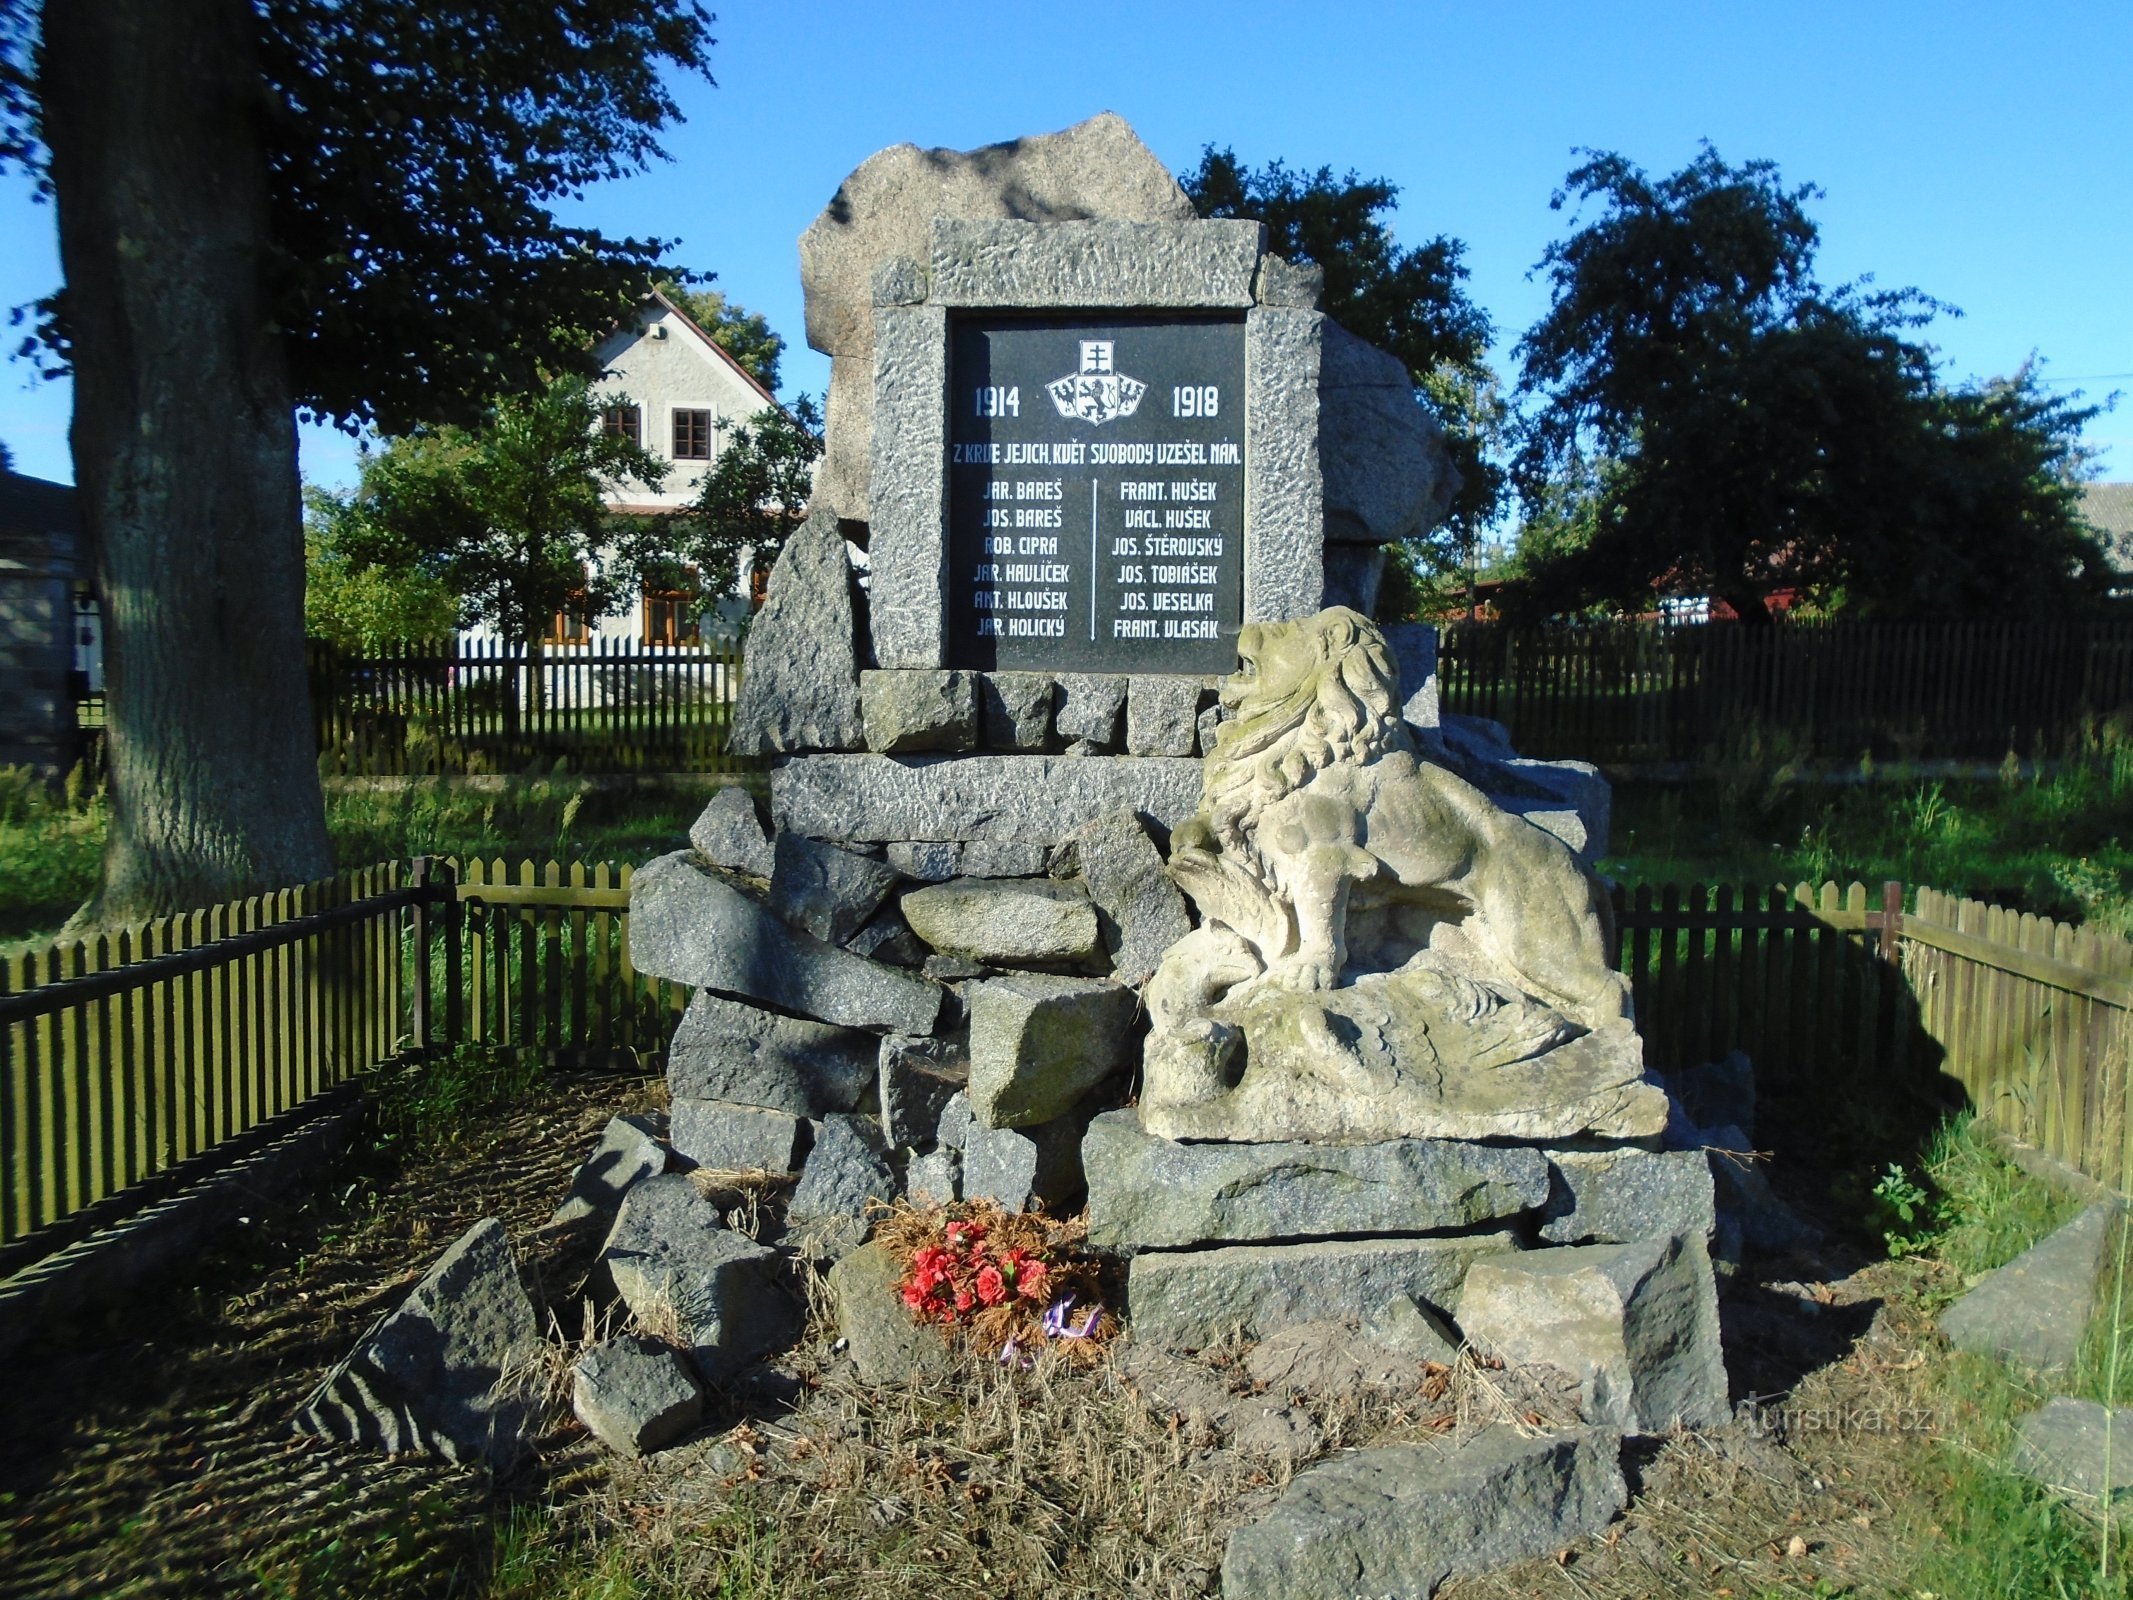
column 825, row 890
column 1404, row 1518
column 1413, row 1330
column 2064, row 1446
column 1022, row 1168
column 1613, row 1196
column 1636, row 1324
column 728, row 833
column 936, row 861
column 691, row 927
column 673, row 1260
column 915, row 1078
column 1039, row 1043
column 1141, row 912
column 889, row 938
column 635, row 1395
column 2034, row 1310
column 800, row 686
column 1190, row 1299
column 848, row 1167
column 723, row 1050
column 887, row 1347
column 1005, row 921
column 432, row 1374
column 724, row 1137
column 935, row 1178
column 1149, row 1192
column 629, row 1149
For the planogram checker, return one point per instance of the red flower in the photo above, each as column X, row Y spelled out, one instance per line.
column 992, row 1288
column 1033, row 1280
column 963, row 1300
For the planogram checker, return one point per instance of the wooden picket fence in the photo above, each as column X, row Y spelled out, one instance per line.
column 1637, row 692
column 478, row 705
column 129, row 1060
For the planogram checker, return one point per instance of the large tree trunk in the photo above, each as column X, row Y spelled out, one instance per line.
column 184, row 451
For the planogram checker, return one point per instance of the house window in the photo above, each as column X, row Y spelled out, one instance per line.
column 692, row 435
column 623, row 422
column 572, row 624
column 670, row 615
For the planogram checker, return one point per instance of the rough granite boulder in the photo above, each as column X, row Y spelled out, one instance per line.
column 2034, row 1310
column 1006, row 921
column 1019, row 1169
column 673, row 1260
column 826, row 890
column 723, row 1050
column 1149, row 1192
column 1386, row 471
column 848, row 1168
column 1038, row 1043
column 1025, row 800
column 1401, row 1519
column 723, row 1137
column 729, row 833
column 436, row 1373
column 1015, row 709
column 635, row 1395
column 1190, row 1299
column 1140, row 911
column 629, row 1150
column 914, row 1079
column 1636, row 1324
column 2076, row 1446
column 887, row 1347
column 1163, row 714
column 938, row 860
column 885, row 210
column 1614, row 1196
column 913, row 710
column 800, row 680
column 1091, row 709
column 935, row 1178
column 690, row 926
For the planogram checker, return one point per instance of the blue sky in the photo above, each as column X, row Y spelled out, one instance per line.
column 1983, row 153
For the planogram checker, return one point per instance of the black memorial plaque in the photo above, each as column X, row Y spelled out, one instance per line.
column 1096, row 494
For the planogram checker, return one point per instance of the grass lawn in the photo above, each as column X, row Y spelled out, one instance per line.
column 50, row 846
column 2059, row 844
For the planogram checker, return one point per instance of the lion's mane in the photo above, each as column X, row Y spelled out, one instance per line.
column 1341, row 710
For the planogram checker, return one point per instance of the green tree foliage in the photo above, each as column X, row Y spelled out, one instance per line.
column 1411, row 302
column 508, row 517
column 1708, row 417
column 754, row 496
column 743, row 334
column 346, row 207
column 361, row 606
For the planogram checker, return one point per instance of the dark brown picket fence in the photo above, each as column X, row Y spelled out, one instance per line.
column 131, row 1060
column 478, row 705
column 1627, row 693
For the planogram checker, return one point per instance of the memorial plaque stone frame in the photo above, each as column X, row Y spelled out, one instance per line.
column 1080, row 279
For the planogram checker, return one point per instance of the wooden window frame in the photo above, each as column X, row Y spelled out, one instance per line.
column 691, row 419
column 573, row 624
column 611, row 418
column 657, row 601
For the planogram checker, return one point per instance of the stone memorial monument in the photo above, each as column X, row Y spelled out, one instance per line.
column 1112, row 850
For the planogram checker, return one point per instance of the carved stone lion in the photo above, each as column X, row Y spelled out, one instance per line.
column 1383, row 952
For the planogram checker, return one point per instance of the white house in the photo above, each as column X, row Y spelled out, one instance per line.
column 669, row 387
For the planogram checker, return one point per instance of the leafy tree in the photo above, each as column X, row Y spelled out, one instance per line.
column 1411, row 302
column 1709, row 416
column 509, row 517
column 754, row 496
column 743, row 334
column 339, row 205
column 361, row 606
